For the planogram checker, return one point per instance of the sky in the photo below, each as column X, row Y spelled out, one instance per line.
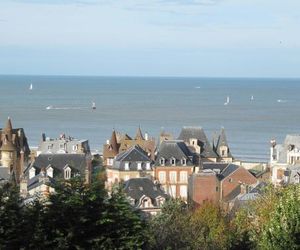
column 209, row 38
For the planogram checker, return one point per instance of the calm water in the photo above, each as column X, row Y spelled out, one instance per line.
column 125, row 103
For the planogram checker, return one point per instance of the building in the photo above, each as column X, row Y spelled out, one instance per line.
column 145, row 195
column 63, row 145
column 120, row 143
column 219, row 182
column 14, row 153
column 284, row 158
column 221, row 148
column 196, row 139
column 42, row 173
column 173, row 165
column 132, row 163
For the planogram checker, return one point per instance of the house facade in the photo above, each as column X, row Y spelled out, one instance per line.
column 14, row 153
column 219, row 182
column 120, row 143
column 132, row 163
column 173, row 166
column 46, row 169
column 145, row 195
column 196, row 139
column 284, row 159
column 63, row 145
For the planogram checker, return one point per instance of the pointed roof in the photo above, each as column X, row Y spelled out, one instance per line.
column 8, row 126
column 139, row 135
column 113, row 142
column 222, row 141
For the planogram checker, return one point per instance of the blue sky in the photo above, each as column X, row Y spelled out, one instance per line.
column 242, row 38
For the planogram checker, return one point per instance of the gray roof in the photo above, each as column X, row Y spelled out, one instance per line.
column 136, row 188
column 188, row 133
column 229, row 170
column 174, row 149
column 37, row 181
column 133, row 156
column 214, row 165
column 292, row 140
column 222, row 141
column 53, row 146
column 77, row 162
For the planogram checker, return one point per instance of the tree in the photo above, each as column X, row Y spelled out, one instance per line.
column 282, row 231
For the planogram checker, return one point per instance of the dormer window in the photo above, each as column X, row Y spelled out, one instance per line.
column 173, row 161
column 67, row 173
column 50, row 171
column 31, row 172
column 75, row 147
column 148, row 167
column 162, row 161
column 126, row 166
column 139, row 166
column 183, row 161
column 50, row 146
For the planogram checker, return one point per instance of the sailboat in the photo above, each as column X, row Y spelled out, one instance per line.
column 93, row 105
column 227, row 101
column 31, row 86
column 252, row 98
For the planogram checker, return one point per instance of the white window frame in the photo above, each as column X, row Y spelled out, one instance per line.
column 126, row 166
column 162, row 161
column 173, row 161
column 183, row 176
column 32, row 172
column 139, row 165
column 183, row 191
column 183, row 161
column 67, row 173
column 173, row 176
column 50, row 171
column 162, row 176
column 148, row 166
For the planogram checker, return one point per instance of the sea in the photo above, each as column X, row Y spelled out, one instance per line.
column 258, row 109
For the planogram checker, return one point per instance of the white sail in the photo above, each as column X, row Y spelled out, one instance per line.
column 227, row 100
column 252, row 98
column 31, row 86
column 93, row 105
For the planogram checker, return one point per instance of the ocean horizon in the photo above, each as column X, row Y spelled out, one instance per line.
column 258, row 109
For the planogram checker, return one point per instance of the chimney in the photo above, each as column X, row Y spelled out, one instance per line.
column 43, row 137
column 88, row 170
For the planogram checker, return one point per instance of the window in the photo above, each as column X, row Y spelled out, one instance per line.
column 162, row 176
column 230, row 180
column 162, row 161
column 223, row 152
column 183, row 191
column 61, row 146
column 31, row 172
column 173, row 176
column 67, row 173
column 217, row 189
column 148, row 166
column 173, row 161
column 75, row 147
column 110, row 161
column 126, row 165
column 183, row 161
column 172, row 190
column 50, row 171
column 50, row 146
column 139, row 166
column 183, row 176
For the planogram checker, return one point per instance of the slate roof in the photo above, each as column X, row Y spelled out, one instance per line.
column 136, row 188
column 292, row 140
column 174, row 149
column 188, row 133
column 132, row 156
column 214, row 165
column 77, row 162
column 229, row 170
column 222, row 141
column 36, row 181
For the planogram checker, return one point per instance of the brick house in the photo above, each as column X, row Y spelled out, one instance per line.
column 219, row 182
